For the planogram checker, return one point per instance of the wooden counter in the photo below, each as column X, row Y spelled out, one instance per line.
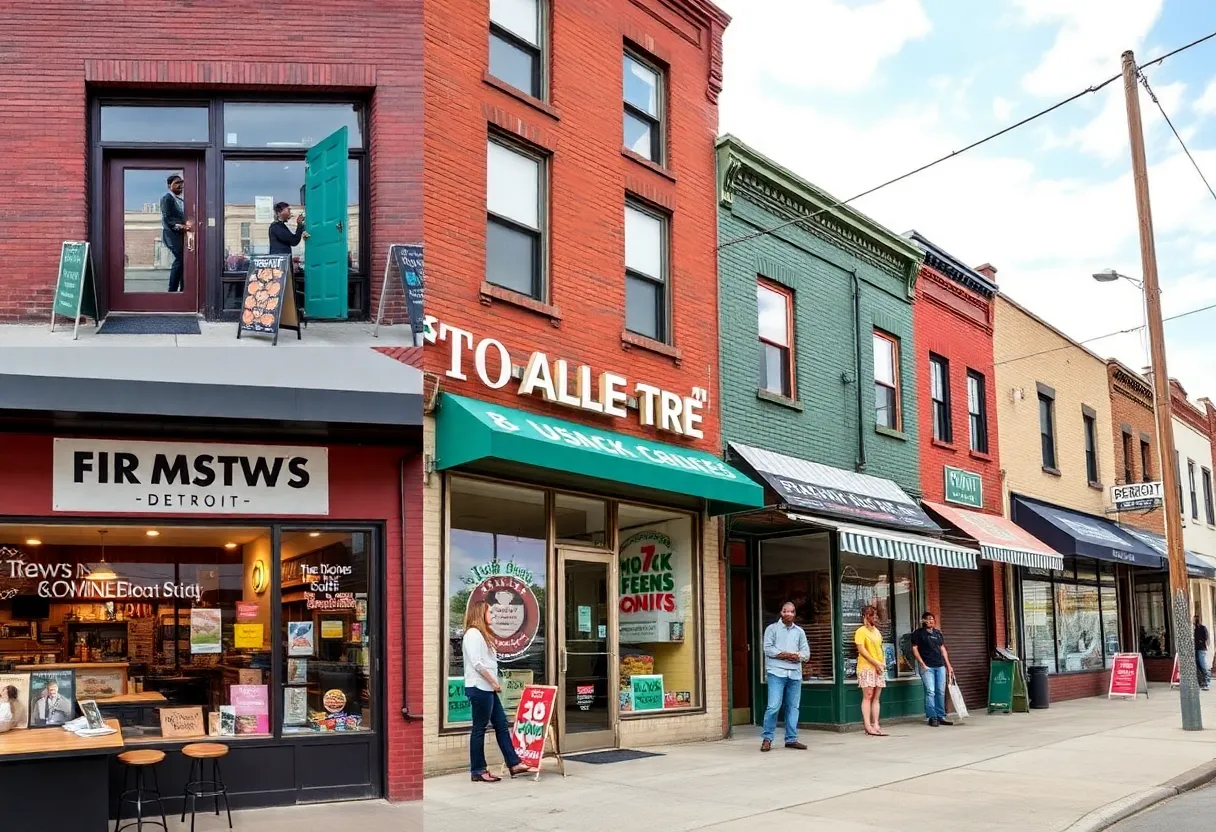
column 148, row 697
column 45, row 742
column 74, row 666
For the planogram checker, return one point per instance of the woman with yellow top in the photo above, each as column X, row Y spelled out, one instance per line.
column 871, row 669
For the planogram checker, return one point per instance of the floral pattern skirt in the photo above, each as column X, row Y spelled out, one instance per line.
column 869, row 679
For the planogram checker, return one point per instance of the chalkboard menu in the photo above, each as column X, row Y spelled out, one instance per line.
column 269, row 300
column 409, row 264
column 75, row 287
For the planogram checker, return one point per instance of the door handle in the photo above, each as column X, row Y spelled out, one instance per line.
column 190, row 241
column 565, row 655
column 339, row 226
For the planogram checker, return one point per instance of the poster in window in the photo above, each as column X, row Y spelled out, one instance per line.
column 252, row 708
column 295, row 706
column 300, row 638
column 15, row 700
column 297, row 671
column 205, row 629
column 51, row 698
column 650, row 571
column 515, row 615
column 513, row 684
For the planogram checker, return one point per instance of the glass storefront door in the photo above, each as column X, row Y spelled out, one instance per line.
column 587, row 650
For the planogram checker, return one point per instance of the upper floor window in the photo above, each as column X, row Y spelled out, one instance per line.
column 1146, row 466
column 939, row 394
column 1047, row 430
column 1209, row 512
column 643, row 108
column 886, row 381
column 1190, row 475
column 1128, row 474
column 774, row 306
column 515, row 221
column 977, row 412
column 516, row 51
column 1091, row 447
column 645, row 273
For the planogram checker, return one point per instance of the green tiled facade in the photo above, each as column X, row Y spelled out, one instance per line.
column 823, row 261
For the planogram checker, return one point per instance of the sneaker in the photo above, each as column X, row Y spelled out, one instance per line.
column 933, row 723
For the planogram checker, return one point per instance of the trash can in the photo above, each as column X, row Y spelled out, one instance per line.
column 1039, row 693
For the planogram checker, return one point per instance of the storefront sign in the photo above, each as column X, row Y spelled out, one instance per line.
column 647, row 693
column 1137, row 495
column 558, row 382
column 189, row 478
column 848, row 504
column 650, row 571
column 66, row 581
column 1127, row 676
column 1000, row 686
column 532, row 718
column 964, row 487
column 246, row 611
column 324, row 587
column 585, row 697
column 584, row 619
column 514, row 611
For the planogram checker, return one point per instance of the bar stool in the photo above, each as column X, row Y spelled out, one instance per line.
column 214, row 787
column 138, row 761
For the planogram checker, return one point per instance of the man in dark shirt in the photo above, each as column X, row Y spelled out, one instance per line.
column 929, row 648
column 173, row 225
column 283, row 239
column 1201, row 654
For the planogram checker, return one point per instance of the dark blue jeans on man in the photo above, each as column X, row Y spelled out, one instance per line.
column 177, row 270
column 487, row 711
column 934, row 680
column 784, row 695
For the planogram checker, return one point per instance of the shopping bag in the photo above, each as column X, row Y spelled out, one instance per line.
column 956, row 696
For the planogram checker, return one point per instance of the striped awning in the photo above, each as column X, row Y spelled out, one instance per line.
column 891, row 545
column 999, row 539
column 1021, row 557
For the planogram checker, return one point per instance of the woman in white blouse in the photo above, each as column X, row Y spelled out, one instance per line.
column 481, row 687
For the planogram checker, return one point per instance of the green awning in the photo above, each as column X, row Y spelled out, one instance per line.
column 470, row 432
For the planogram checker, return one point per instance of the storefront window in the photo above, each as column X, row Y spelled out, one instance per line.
column 658, row 616
column 1152, row 620
column 292, row 125
column 581, row 521
column 150, row 124
column 496, row 552
column 891, row 587
column 799, row 570
column 326, row 636
column 1070, row 617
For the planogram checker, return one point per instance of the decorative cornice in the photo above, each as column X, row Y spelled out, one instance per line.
column 982, row 305
column 743, row 170
column 1131, row 385
column 952, row 267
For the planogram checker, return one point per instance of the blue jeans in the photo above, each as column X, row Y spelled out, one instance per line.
column 934, row 680
column 1201, row 662
column 784, row 694
column 487, row 710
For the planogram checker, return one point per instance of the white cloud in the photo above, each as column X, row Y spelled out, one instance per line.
column 850, row 40
column 1206, row 103
column 1002, row 108
column 1089, row 42
column 1105, row 136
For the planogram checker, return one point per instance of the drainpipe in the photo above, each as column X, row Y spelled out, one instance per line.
column 405, row 673
column 861, row 436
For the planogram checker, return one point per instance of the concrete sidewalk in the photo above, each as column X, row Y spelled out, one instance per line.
column 1046, row 770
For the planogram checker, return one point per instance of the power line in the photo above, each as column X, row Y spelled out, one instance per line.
column 1185, row 149
column 1087, row 91
column 1102, row 337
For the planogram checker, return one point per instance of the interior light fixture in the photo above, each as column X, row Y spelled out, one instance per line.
column 102, row 572
column 152, row 533
column 33, row 541
column 314, row 534
column 229, row 545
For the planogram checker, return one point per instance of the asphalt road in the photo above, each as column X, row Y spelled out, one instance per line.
column 1191, row 812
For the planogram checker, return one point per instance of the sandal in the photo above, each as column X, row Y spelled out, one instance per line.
column 881, row 733
column 485, row 777
column 522, row 770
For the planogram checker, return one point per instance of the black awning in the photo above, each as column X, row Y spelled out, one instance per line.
column 1074, row 533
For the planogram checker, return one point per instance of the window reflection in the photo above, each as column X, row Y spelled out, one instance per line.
column 154, row 124
column 259, row 124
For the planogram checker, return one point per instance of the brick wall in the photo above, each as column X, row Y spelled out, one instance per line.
column 1026, row 350
column 1131, row 406
column 56, row 51
column 1061, row 688
column 589, row 178
column 820, row 422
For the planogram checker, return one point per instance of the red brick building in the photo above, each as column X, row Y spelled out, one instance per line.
column 570, row 220
column 99, row 102
column 959, row 457
column 1135, row 439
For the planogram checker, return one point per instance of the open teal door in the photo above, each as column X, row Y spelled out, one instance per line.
column 325, row 256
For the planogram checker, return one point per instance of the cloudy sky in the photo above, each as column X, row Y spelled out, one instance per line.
column 848, row 93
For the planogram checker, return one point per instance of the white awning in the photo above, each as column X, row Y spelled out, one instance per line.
column 892, row 545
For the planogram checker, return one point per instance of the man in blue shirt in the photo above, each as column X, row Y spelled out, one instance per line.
column 785, row 649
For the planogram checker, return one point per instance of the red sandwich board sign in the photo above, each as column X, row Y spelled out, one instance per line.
column 533, row 728
column 1176, row 675
column 1127, row 676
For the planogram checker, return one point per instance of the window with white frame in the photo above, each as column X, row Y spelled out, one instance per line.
column 643, row 93
column 886, row 380
column 517, row 45
column 645, row 272
column 515, row 219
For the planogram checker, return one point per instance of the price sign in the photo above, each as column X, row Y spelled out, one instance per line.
column 532, row 718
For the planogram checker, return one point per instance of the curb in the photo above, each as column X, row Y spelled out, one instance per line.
column 1110, row 814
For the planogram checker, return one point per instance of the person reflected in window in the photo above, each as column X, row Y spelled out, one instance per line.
column 282, row 238
column 173, row 228
column 482, row 687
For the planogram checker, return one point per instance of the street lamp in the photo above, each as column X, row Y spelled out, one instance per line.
column 1192, row 719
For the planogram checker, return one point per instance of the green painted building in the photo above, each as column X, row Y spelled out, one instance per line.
column 819, row 403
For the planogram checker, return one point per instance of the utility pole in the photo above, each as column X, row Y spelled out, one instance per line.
column 1184, row 640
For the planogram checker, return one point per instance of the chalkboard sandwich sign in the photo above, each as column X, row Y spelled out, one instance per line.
column 75, row 287
column 269, row 301
column 407, row 260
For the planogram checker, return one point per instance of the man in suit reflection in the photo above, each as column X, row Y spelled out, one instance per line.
column 173, row 226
